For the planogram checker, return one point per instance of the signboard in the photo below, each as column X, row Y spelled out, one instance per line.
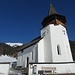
column 48, row 68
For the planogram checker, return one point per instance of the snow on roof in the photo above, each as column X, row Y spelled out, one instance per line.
column 5, row 58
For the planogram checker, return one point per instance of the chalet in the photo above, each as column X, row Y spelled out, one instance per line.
column 50, row 52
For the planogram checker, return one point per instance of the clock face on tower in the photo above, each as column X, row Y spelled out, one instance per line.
column 45, row 32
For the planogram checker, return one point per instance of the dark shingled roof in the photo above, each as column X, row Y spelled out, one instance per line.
column 34, row 41
column 52, row 10
column 4, row 62
column 52, row 17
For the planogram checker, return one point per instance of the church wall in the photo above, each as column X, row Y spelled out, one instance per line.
column 58, row 38
column 67, row 45
column 41, row 51
column 56, row 44
column 45, row 33
column 52, row 68
column 29, row 53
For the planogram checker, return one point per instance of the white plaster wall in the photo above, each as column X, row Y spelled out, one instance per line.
column 58, row 37
column 28, row 52
column 41, row 51
column 45, row 33
column 60, row 68
column 19, row 60
column 4, row 69
column 67, row 45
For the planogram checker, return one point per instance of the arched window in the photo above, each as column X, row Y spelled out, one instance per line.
column 58, row 50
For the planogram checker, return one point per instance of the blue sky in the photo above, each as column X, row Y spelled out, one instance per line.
column 20, row 20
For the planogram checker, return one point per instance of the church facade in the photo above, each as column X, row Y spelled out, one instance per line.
column 51, row 51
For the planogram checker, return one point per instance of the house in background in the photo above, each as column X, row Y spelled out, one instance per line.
column 4, row 68
column 51, row 51
column 6, row 64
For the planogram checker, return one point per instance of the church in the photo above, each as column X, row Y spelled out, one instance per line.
column 50, row 52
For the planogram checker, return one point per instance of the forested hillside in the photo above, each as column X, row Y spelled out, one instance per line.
column 8, row 50
column 72, row 44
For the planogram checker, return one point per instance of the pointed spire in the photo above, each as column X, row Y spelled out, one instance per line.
column 52, row 10
column 54, row 18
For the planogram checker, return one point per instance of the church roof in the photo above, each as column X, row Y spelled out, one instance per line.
column 34, row 41
column 52, row 10
column 54, row 18
column 4, row 62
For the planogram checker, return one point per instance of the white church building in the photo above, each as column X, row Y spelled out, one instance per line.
column 50, row 52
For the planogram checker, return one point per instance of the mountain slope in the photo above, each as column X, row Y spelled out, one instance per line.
column 72, row 45
column 6, row 49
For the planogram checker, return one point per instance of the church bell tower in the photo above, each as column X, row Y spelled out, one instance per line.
column 54, row 34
